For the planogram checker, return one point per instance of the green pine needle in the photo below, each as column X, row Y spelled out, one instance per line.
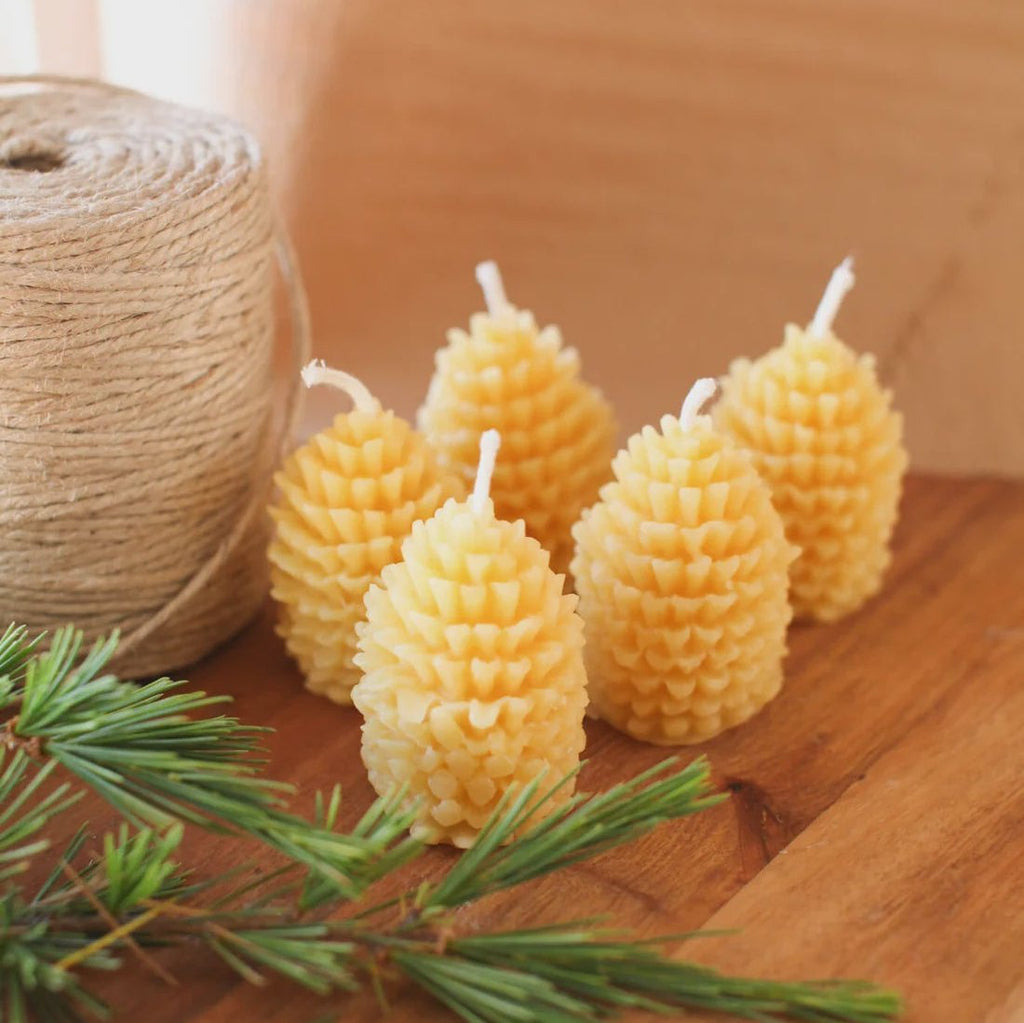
column 25, row 810
column 15, row 650
column 581, row 828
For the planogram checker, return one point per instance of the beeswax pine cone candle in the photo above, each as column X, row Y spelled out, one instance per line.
column 558, row 433
column 347, row 500
column 824, row 436
column 681, row 568
column 473, row 670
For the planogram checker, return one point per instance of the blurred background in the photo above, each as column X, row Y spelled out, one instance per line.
column 669, row 181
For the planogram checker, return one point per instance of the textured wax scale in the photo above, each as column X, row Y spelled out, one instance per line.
column 558, row 433
column 473, row 681
column 682, row 571
column 347, row 500
column 824, row 436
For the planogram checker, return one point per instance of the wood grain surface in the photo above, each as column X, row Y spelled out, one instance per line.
column 875, row 825
column 671, row 181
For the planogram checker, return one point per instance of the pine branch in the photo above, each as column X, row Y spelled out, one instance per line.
column 611, row 972
column 140, row 748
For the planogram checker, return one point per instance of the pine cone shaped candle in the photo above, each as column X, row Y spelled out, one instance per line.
column 347, row 500
column 824, row 436
column 682, row 571
column 558, row 433
column 473, row 670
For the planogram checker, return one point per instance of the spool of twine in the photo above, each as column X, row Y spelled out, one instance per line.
column 138, row 432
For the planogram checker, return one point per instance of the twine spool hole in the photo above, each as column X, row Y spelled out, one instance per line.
column 31, row 154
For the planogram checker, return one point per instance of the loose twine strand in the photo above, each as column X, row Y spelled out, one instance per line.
column 138, row 432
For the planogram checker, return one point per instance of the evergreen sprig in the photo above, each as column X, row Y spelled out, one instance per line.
column 164, row 770
column 144, row 751
column 608, row 972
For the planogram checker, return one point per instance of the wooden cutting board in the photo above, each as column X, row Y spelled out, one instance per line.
column 875, row 826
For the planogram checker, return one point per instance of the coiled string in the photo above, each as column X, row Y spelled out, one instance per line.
column 138, row 432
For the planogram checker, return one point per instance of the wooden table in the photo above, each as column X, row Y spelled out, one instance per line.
column 876, row 820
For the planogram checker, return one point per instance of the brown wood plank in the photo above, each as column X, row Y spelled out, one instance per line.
column 916, row 875
column 855, row 692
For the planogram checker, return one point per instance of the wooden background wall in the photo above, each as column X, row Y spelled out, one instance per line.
column 671, row 181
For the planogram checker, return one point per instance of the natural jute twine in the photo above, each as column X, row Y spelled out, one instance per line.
column 137, row 426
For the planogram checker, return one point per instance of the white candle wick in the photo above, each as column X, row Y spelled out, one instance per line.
column 318, row 372
column 490, row 441
column 700, row 394
column 841, row 281
column 488, row 276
